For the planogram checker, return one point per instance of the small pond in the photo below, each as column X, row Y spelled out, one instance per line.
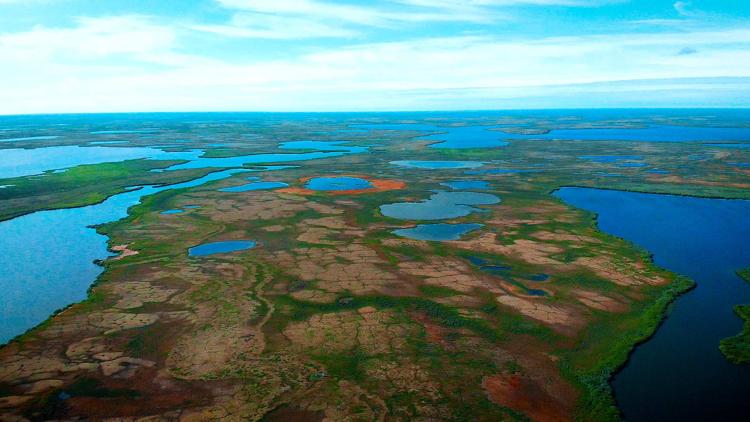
column 440, row 206
column 226, row 246
column 338, row 183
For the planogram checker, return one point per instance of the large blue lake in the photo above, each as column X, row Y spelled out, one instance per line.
column 680, row 374
column 47, row 258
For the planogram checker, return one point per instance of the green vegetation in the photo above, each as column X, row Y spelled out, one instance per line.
column 84, row 185
column 737, row 348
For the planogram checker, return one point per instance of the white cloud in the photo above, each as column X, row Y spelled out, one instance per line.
column 133, row 63
column 684, row 8
column 93, row 38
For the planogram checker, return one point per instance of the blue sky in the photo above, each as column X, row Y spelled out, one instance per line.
column 327, row 55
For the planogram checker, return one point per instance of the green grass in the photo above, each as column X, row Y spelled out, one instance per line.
column 592, row 370
column 84, row 185
column 737, row 348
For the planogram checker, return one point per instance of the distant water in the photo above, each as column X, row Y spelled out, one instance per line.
column 663, row 133
column 456, row 137
column 322, row 150
column 680, row 374
column 483, row 137
column 26, row 162
column 47, row 257
column 254, row 186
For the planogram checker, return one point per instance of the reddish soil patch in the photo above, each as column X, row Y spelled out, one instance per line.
column 378, row 185
column 521, row 394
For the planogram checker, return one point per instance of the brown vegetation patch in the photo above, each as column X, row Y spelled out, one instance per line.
column 524, row 395
column 124, row 252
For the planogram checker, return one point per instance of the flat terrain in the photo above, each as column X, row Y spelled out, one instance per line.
column 332, row 316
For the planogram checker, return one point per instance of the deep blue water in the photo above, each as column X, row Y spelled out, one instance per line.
column 440, row 206
column 437, row 232
column 436, row 165
column 47, row 258
column 226, row 246
column 338, row 183
column 680, row 374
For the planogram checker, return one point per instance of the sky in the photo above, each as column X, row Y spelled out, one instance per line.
column 70, row 56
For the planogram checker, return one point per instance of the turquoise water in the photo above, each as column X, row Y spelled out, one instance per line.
column 437, row 232
column 26, row 162
column 54, row 251
column 170, row 212
column 255, row 186
column 467, row 185
column 680, row 374
column 226, row 246
column 420, row 164
column 440, row 206
column 338, row 183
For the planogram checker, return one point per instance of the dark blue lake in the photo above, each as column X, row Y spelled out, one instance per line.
column 226, row 246
column 437, row 232
column 680, row 374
